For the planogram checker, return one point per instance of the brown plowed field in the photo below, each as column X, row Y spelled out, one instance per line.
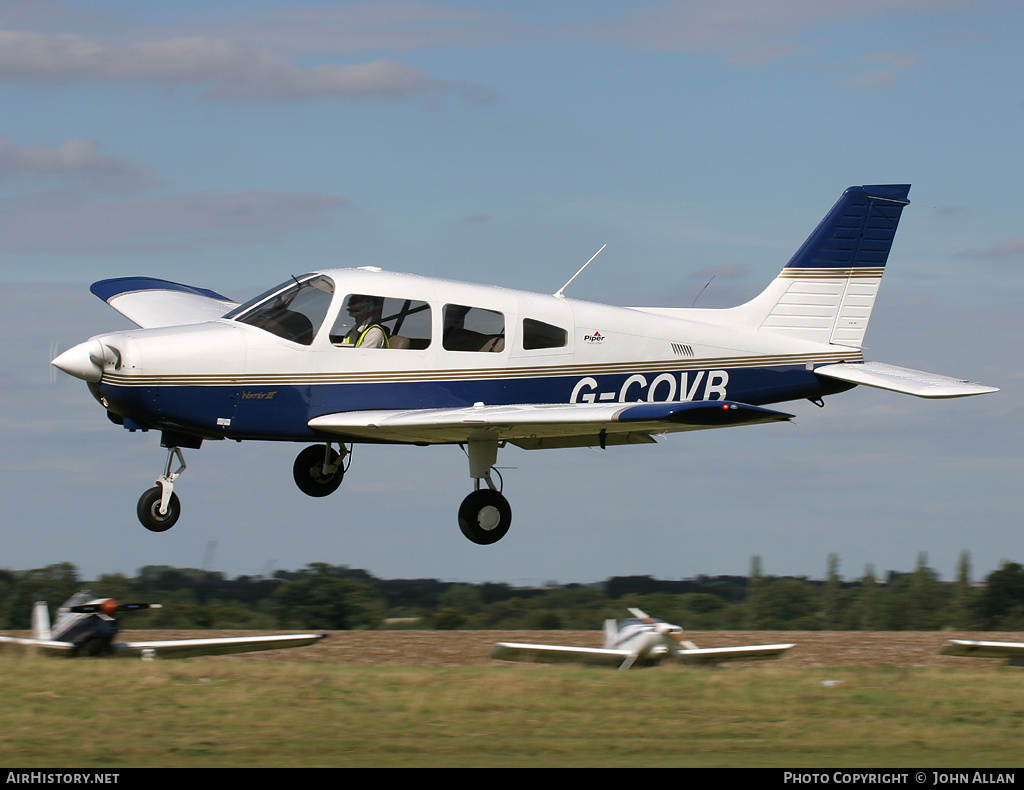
column 814, row 649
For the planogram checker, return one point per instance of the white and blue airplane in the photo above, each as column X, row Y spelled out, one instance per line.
column 1013, row 652
column 638, row 641
column 344, row 356
column 87, row 625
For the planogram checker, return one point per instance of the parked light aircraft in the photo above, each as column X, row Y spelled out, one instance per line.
column 1012, row 651
column 85, row 626
column 638, row 641
column 363, row 355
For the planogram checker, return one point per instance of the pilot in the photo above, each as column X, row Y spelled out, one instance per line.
column 368, row 331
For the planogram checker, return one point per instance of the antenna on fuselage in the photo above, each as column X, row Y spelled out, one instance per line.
column 560, row 293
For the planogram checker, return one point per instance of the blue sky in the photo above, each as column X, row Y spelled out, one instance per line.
column 231, row 144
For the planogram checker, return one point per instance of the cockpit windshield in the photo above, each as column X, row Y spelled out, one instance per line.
column 293, row 310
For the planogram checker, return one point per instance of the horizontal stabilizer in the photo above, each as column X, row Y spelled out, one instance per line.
column 150, row 302
column 910, row 382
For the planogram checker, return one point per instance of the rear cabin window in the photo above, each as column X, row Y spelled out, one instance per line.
column 373, row 321
column 473, row 329
column 537, row 334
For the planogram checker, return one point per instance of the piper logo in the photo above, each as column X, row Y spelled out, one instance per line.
column 594, row 337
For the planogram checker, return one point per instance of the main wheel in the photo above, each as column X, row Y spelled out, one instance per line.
column 308, row 471
column 149, row 510
column 485, row 516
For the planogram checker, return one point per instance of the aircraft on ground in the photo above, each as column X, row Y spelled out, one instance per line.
column 85, row 626
column 363, row 355
column 638, row 641
column 1012, row 651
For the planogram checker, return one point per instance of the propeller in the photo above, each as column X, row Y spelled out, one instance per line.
column 665, row 629
column 110, row 607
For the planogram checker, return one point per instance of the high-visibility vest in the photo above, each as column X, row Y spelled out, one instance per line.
column 348, row 338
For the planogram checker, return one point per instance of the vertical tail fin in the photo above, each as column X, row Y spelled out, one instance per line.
column 611, row 633
column 826, row 291
column 40, row 620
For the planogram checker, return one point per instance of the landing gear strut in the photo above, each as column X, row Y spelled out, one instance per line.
column 318, row 470
column 159, row 508
column 485, row 515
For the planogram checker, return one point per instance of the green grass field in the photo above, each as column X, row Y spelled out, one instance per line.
column 233, row 713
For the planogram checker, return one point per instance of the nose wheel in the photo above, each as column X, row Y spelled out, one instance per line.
column 149, row 510
column 159, row 507
column 485, row 515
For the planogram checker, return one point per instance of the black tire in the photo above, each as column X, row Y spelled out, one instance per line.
column 485, row 516
column 149, row 510
column 308, row 471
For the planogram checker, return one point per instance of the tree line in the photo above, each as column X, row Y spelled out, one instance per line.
column 333, row 597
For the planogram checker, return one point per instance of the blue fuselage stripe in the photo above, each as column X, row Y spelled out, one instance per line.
column 282, row 412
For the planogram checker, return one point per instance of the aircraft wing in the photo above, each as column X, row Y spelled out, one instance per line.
column 47, row 645
column 910, row 382
column 150, row 302
column 536, row 426
column 720, row 655
column 185, row 648
column 554, row 654
column 969, row 649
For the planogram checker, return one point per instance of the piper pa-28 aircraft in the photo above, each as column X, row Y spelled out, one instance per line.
column 86, row 626
column 363, row 355
column 639, row 641
column 1013, row 652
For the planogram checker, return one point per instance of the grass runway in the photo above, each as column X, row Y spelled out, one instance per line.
column 237, row 712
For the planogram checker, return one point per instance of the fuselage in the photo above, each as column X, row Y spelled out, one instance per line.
column 292, row 354
column 92, row 632
column 651, row 642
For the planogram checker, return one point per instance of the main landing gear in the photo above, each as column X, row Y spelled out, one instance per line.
column 318, row 470
column 485, row 515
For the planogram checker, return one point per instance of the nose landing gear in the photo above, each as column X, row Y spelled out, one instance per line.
column 159, row 507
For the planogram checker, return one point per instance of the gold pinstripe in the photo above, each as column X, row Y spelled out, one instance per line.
column 861, row 273
column 475, row 374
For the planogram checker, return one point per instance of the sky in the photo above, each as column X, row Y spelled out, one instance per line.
column 229, row 145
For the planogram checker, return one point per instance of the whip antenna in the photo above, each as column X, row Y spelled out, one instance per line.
column 560, row 292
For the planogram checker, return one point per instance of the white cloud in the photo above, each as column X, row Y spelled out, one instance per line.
column 74, row 158
column 694, row 25
column 68, row 223
column 227, row 70
column 1011, row 248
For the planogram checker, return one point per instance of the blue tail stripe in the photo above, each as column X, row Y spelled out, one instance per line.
column 857, row 232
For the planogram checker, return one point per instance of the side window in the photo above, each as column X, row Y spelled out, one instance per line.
column 537, row 334
column 473, row 329
column 370, row 321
